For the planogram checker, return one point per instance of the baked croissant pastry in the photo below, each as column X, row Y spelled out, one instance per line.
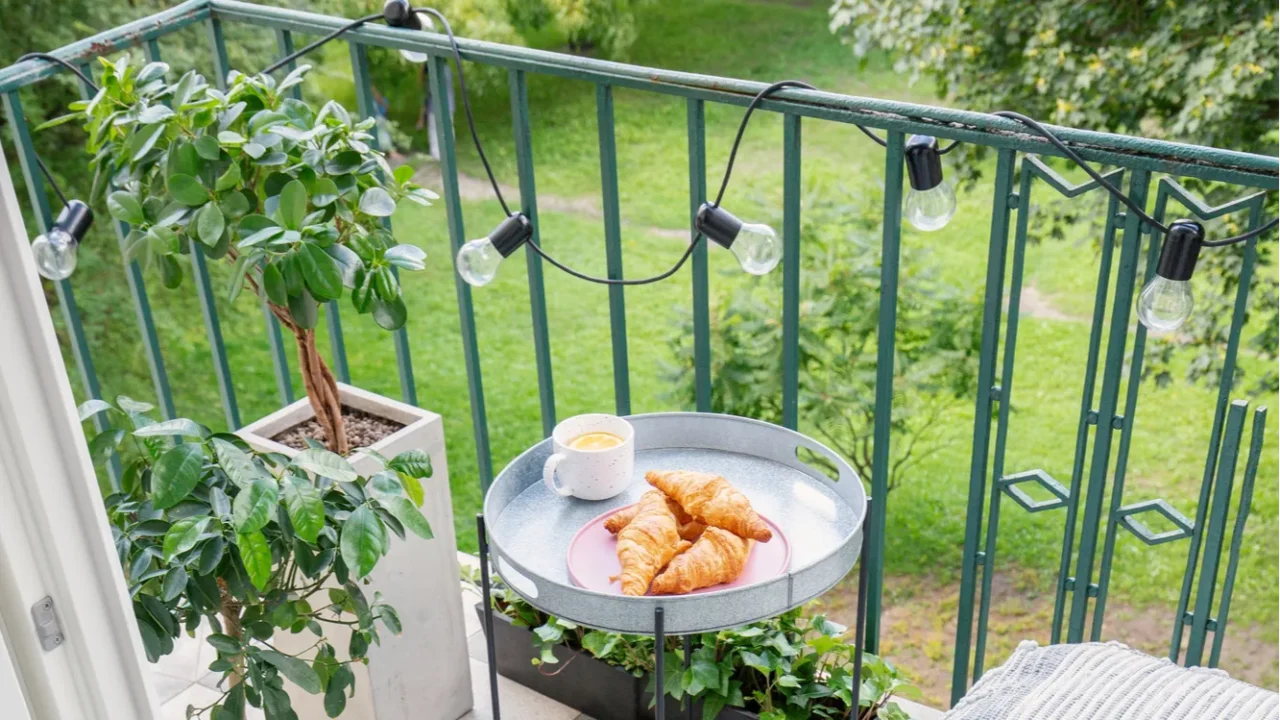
column 689, row 527
column 648, row 543
column 712, row 499
column 717, row 557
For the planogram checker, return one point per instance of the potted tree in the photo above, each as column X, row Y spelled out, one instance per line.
column 261, row 547
column 297, row 201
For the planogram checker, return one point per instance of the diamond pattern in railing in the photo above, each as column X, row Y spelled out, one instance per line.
column 1009, row 484
column 1128, row 517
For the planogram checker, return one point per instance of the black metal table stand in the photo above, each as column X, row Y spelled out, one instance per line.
column 659, row 633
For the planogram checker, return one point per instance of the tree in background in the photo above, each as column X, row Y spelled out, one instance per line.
column 936, row 351
column 1202, row 73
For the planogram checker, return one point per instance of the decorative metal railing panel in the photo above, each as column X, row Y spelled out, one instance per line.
column 1103, row 411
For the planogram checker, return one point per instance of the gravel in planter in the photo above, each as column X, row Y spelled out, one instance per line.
column 362, row 430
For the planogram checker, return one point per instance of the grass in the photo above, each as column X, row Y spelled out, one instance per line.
column 767, row 41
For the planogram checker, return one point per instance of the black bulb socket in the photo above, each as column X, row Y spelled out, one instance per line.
column 511, row 234
column 924, row 162
column 718, row 224
column 400, row 14
column 1181, row 250
column 75, row 219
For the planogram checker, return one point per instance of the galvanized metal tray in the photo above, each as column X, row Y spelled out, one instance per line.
column 529, row 527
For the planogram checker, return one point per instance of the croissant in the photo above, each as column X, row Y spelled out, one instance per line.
column 689, row 527
column 648, row 543
column 717, row 557
column 713, row 500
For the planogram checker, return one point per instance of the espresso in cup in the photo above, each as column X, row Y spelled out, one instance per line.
column 593, row 459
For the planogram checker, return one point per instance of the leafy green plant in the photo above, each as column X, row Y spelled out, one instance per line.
column 256, row 545
column 296, row 200
column 935, row 356
column 789, row 667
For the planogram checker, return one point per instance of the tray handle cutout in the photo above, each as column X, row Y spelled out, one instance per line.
column 819, row 462
column 516, row 580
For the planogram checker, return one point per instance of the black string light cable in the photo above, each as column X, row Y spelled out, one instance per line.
column 317, row 43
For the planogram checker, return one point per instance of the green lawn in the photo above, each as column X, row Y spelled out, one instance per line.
column 759, row 40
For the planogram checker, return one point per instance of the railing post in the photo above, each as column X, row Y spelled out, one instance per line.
column 697, row 129
column 886, row 339
column 982, row 417
column 457, row 236
column 791, row 153
column 533, row 262
column 613, row 248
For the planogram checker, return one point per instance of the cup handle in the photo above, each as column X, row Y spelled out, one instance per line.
column 549, row 475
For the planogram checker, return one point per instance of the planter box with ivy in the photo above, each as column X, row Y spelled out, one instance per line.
column 790, row 667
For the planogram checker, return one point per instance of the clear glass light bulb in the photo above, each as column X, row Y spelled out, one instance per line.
column 930, row 209
column 55, row 254
column 757, row 248
column 411, row 55
column 478, row 262
column 1165, row 304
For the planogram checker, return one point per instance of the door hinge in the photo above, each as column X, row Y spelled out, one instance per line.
column 45, row 617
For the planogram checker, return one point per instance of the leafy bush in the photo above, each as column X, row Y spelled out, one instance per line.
column 935, row 357
column 256, row 545
column 296, row 200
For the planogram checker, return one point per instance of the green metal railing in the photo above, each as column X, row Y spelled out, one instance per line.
column 1091, row 522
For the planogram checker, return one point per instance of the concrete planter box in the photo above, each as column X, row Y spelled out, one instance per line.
column 423, row 673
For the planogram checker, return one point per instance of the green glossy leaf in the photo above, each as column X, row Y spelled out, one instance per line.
column 175, row 581
column 304, row 310
column 229, row 179
column 254, row 506
column 335, row 694
column 187, row 190
column 210, row 224
column 177, row 426
column 255, row 554
column 89, row 408
column 230, row 138
column 303, row 502
column 155, row 114
column 207, row 147
column 403, row 510
column 293, row 204
column 325, row 464
column 321, row 273
column 253, row 150
column 224, row 644
column 345, row 162
column 297, row 671
column 390, row 315
column 236, row 464
column 125, row 207
column 403, row 174
column 413, row 489
column 143, row 140
column 324, row 192
column 414, row 463
column 184, row 534
column 273, row 284
column 183, row 159
column 376, row 202
column 406, row 257
column 260, row 237
column 175, row 474
column 363, row 541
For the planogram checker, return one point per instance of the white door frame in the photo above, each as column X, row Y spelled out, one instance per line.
column 54, row 537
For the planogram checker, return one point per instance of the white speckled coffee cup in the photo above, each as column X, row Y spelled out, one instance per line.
column 590, row 474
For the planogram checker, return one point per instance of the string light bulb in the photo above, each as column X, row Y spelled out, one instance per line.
column 478, row 260
column 931, row 202
column 1167, row 301
column 400, row 14
column 755, row 246
column 55, row 249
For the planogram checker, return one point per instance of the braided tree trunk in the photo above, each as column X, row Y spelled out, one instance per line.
column 322, row 388
column 230, row 612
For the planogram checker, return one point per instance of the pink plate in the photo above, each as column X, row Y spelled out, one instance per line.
column 593, row 559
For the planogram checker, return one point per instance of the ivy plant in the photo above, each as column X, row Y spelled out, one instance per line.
column 297, row 200
column 257, row 546
column 790, row 667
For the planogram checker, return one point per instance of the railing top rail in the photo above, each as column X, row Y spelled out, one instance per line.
column 1134, row 152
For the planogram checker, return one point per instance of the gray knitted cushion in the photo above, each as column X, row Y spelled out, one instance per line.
column 1108, row 681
